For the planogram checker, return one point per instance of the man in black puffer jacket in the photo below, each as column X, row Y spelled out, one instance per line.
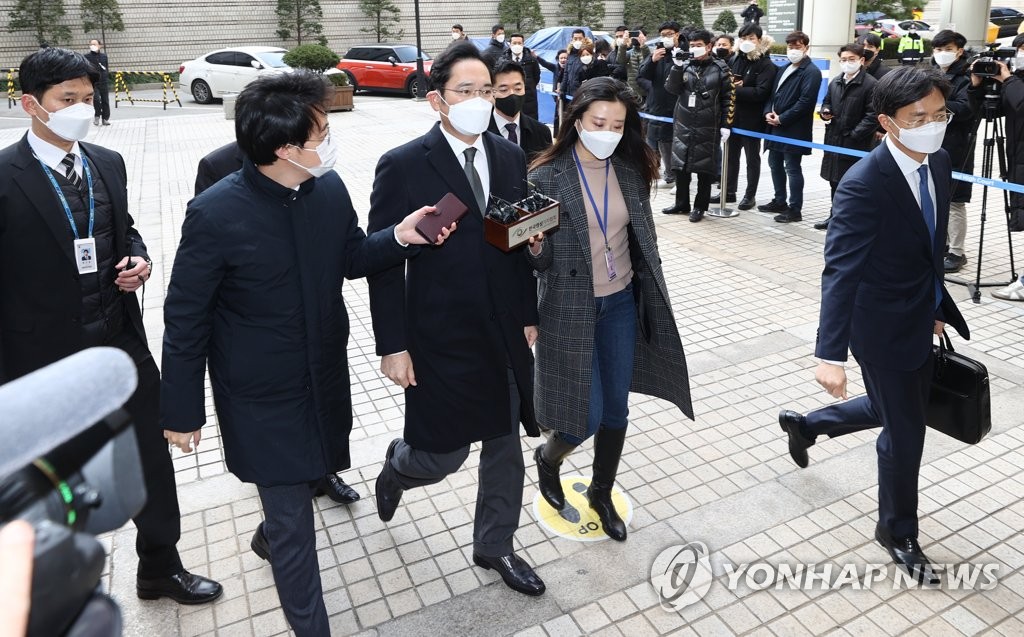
column 704, row 109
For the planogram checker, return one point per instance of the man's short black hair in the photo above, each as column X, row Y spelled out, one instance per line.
column 947, row 37
column 670, row 25
column 727, row 36
column 441, row 69
column 747, row 29
column 621, row 28
column 277, row 110
column 871, row 39
column 580, row 31
column 905, row 85
column 856, row 49
column 505, row 65
column 798, row 37
column 602, row 46
column 517, row 35
column 496, row 28
column 703, row 35
column 48, row 67
column 1018, row 41
column 457, row 26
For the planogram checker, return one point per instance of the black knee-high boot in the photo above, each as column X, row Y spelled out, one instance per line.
column 549, row 457
column 607, row 451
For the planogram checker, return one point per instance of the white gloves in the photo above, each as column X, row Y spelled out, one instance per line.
column 676, row 61
column 725, row 133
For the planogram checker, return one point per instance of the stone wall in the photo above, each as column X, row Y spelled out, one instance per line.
column 161, row 34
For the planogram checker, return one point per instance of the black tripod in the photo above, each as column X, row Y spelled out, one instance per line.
column 994, row 145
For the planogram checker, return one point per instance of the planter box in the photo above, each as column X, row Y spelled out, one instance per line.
column 342, row 100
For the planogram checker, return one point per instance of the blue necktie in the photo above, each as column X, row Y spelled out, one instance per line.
column 928, row 210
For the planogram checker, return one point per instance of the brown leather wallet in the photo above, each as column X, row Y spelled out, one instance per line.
column 449, row 210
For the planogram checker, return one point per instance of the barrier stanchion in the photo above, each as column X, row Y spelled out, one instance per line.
column 722, row 211
column 166, row 83
column 12, row 99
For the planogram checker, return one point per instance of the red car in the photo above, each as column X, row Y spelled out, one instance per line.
column 385, row 67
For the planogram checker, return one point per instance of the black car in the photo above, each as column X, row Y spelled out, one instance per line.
column 1008, row 20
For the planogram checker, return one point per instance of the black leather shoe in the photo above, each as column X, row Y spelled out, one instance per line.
column 747, row 203
column 184, row 588
column 728, row 198
column 773, row 206
column 953, row 263
column 907, row 554
column 696, row 216
column 676, row 210
column 389, row 490
column 517, row 574
column 259, row 544
column 790, row 422
column 822, row 225
column 790, row 216
column 334, row 488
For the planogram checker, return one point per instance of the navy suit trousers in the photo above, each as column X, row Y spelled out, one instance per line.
column 896, row 401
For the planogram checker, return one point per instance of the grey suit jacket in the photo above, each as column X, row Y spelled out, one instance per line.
column 566, row 303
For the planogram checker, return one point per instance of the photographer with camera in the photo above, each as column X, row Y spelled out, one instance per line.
column 705, row 105
column 64, row 210
column 948, row 56
column 1010, row 86
column 660, row 103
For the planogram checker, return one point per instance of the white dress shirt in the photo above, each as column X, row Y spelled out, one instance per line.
column 479, row 161
column 52, row 155
column 501, row 122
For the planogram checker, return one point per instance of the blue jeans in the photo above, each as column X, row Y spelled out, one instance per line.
column 612, row 362
column 785, row 165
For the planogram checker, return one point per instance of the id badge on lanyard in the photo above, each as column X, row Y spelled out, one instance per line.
column 86, row 259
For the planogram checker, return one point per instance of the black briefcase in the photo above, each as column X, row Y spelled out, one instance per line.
column 959, row 405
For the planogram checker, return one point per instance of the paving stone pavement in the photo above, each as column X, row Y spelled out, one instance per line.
column 745, row 294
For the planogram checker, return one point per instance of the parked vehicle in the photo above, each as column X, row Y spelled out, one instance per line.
column 385, row 67
column 901, row 27
column 1008, row 20
column 212, row 75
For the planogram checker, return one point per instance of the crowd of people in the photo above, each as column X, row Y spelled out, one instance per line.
column 487, row 344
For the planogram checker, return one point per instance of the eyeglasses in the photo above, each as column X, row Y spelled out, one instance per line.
column 941, row 118
column 467, row 93
column 505, row 91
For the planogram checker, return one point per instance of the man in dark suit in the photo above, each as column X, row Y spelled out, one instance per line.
column 882, row 297
column 465, row 316
column 58, row 199
column 256, row 291
column 508, row 120
column 519, row 53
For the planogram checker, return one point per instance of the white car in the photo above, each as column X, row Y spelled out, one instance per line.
column 229, row 70
column 902, row 27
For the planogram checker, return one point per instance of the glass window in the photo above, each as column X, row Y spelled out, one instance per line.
column 244, row 59
column 356, row 54
column 408, row 54
column 224, row 57
column 272, row 59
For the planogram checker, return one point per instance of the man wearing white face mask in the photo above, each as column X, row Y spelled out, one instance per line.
column 64, row 208
column 948, row 57
column 496, row 47
column 882, row 298
column 519, row 53
column 256, row 294
column 454, row 327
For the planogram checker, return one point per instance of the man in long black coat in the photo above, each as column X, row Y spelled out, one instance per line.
column 519, row 53
column 455, row 327
column 256, row 292
column 51, row 308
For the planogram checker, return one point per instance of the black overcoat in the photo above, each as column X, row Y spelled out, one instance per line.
column 459, row 309
column 256, row 291
column 853, row 122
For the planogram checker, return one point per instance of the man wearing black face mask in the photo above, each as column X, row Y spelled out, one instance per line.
column 508, row 119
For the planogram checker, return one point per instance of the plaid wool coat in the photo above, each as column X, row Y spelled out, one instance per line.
column 566, row 304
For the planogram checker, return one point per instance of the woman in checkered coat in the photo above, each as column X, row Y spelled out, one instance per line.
column 606, row 324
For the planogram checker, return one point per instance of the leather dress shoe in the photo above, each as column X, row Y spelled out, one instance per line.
column 822, row 225
column 773, row 206
column 676, row 210
column 907, row 554
column 259, row 544
column 388, row 489
column 790, row 421
column 747, row 203
column 334, row 488
column 790, row 216
column 728, row 198
column 516, row 573
column 953, row 262
column 183, row 587
column 696, row 216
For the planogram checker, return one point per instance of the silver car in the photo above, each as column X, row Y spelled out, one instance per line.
column 229, row 70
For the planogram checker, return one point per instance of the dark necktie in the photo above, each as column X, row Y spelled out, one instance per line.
column 474, row 179
column 928, row 210
column 69, row 170
column 512, row 136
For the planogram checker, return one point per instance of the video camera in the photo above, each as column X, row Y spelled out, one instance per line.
column 74, row 471
column 985, row 64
